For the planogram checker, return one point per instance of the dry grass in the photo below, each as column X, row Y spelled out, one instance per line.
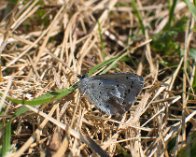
column 46, row 44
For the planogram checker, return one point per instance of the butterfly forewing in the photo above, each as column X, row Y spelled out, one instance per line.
column 112, row 93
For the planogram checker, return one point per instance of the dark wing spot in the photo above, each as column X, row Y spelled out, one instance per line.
column 127, row 77
column 124, row 103
column 128, row 90
column 99, row 83
column 117, row 85
column 99, row 104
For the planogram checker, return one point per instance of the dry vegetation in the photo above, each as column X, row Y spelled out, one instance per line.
column 46, row 44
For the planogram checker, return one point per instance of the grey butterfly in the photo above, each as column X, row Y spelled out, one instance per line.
column 112, row 93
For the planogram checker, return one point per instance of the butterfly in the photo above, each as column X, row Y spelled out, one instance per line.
column 112, row 93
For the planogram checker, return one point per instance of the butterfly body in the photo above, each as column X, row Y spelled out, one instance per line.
column 112, row 93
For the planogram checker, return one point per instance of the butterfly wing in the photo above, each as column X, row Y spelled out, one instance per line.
column 112, row 93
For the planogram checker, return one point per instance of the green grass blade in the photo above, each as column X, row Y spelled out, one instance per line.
column 6, row 143
column 46, row 98
column 193, row 53
column 171, row 13
column 101, row 65
column 191, row 7
column 138, row 15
